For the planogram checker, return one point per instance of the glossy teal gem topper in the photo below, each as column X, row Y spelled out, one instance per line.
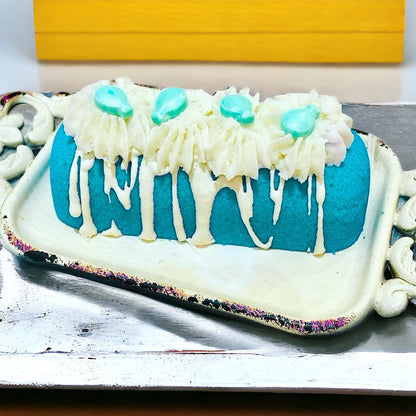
column 237, row 107
column 169, row 104
column 299, row 122
column 113, row 100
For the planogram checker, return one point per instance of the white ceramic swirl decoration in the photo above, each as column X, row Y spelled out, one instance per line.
column 28, row 122
column 15, row 144
column 394, row 294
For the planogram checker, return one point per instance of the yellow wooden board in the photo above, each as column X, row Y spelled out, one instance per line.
column 220, row 30
column 316, row 47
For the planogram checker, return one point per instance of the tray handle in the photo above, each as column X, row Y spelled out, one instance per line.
column 394, row 294
column 15, row 144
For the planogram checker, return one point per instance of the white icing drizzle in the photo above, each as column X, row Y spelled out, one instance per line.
column 146, row 179
column 87, row 228
column 111, row 183
column 177, row 217
column 204, row 198
column 276, row 195
column 245, row 204
column 204, row 190
column 201, row 142
column 113, row 231
column 310, row 194
column 74, row 201
column 319, row 249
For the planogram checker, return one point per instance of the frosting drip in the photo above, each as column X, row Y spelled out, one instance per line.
column 215, row 151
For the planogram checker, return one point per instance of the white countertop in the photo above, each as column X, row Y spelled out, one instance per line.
column 371, row 83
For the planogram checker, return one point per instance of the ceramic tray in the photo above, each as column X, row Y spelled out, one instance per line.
column 294, row 292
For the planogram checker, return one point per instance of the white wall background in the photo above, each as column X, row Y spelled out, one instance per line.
column 19, row 69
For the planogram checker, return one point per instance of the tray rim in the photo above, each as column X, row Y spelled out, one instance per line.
column 18, row 246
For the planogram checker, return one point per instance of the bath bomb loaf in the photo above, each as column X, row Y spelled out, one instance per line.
column 285, row 173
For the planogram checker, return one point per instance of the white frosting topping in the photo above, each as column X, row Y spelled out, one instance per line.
column 202, row 142
column 200, row 134
column 305, row 156
column 109, row 136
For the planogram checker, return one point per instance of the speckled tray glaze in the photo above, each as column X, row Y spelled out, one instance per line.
column 292, row 291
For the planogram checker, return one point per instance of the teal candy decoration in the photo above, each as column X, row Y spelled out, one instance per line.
column 237, row 107
column 299, row 122
column 169, row 104
column 113, row 100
